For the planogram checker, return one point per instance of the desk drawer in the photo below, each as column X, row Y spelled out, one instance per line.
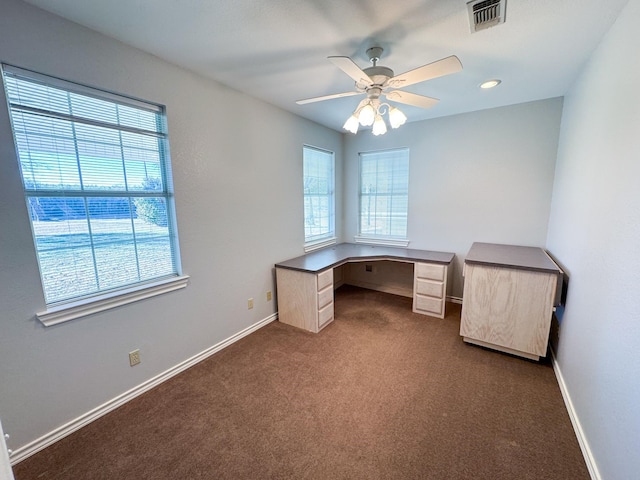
column 325, row 279
column 325, row 297
column 430, row 271
column 429, row 288
column 325, row 316
column 428, row 305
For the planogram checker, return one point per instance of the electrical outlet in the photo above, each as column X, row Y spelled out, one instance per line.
column 250, row 303
column 134, row 357
column 268, row 296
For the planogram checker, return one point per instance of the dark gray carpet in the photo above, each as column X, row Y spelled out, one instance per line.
column 381, row 393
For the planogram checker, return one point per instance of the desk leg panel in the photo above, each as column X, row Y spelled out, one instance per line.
column 297, row 299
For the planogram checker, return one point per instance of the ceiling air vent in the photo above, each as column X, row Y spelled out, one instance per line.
column 486, row 13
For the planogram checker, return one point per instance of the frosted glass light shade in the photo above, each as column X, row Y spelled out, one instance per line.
column 367, row 115
column 396, row 117
column 379, row 127
column 351, row 125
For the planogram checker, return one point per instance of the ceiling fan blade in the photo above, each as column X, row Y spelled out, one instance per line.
column 350, row 68
column 327, row 97
column 411, row 99
column 439, row 68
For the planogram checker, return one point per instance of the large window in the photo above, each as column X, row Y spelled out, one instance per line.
column 97, row 183
column 319, row 199
column 384, row 196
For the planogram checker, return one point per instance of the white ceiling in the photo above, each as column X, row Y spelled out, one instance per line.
column 276, row 49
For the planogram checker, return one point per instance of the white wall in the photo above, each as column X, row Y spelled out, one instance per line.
column 237, row 167
column 594, row 230
column 478, row 177
column 5, row 466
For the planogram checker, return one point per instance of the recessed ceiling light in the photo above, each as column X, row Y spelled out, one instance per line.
column 490, row 83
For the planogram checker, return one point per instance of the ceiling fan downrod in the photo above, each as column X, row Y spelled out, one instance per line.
column 378, row 74
column 374, row 54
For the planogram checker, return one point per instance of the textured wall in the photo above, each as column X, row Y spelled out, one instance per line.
column 478, row 177
column 237, row 168
column 594, row 231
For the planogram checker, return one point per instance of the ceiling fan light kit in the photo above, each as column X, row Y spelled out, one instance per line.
column 367, row 114
column 351, row 125
column 396, row 117
column 378, row 81
column 379, row 127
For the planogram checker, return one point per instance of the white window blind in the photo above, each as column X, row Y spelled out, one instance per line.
column 97, row 183
column 384, row 194
column 319, row 201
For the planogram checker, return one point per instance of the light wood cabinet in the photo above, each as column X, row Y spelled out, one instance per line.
column 305, row 300
column 509, row 295
column 325, row 298
column 429, row 289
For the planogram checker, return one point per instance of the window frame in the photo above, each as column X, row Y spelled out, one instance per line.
column 329, row 238
column 386, row 239
column 70, row 307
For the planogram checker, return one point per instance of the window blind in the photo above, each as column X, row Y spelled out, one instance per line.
column 384, row 193
column 319, row 202
column 96, row 177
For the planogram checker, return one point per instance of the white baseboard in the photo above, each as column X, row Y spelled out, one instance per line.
column 48, row 439
column 457, row 300
column 577, row 427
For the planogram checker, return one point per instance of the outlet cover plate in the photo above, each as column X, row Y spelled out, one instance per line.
column 134, row 357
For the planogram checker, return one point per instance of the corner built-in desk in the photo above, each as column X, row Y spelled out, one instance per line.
column 306, row 283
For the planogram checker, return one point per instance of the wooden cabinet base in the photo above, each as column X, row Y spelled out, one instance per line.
column 493, row 346
column 508, row 300
column 305, row 300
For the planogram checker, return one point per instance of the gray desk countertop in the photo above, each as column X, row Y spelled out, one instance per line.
column 330, row 257
column 511, row 256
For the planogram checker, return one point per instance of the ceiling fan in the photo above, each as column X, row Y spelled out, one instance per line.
column 378, row 81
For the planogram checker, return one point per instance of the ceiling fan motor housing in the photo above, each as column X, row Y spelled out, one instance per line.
column 378, row 75
column 382, row 72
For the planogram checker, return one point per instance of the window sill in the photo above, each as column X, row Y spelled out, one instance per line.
column 311, row 246
column 71, row 311
column 387, row 242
